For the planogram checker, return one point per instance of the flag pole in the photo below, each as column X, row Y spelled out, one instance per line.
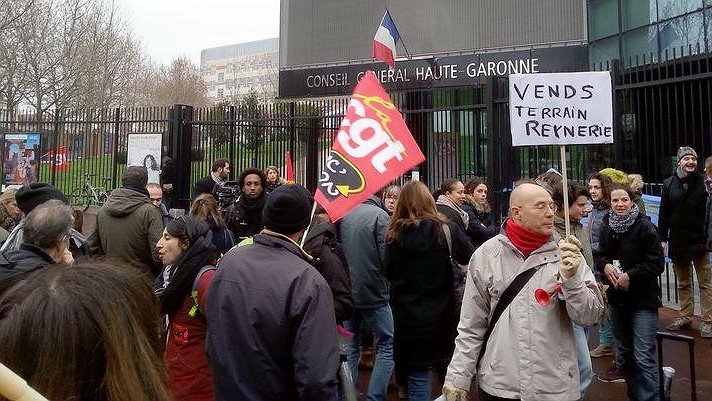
column 565, row 185
column 401, row 38
column 306, row 231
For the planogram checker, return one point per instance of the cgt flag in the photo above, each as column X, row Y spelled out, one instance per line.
column 58, row 159
column 371, row 149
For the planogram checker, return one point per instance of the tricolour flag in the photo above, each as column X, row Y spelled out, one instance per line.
column 384, row 43
column 372, row 148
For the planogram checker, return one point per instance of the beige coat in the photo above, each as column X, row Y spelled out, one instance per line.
column 530, row 354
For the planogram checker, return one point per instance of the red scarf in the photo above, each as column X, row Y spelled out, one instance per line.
column 525, row 240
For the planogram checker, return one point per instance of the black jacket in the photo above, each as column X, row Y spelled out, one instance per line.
column 329, row 259
column 204, row 185
column 462, row 247
column 271, row 326
column 640, row 255
column 481, row 226
column 17, row 263
column 682, row 215
column 420, row 273
column 244, row 217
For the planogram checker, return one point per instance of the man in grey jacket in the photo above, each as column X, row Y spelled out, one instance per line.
column 363, row 233
column 530, row 353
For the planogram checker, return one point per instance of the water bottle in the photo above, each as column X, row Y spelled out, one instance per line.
column 346, row 379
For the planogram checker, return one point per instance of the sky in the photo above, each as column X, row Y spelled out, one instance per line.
column 173, row 28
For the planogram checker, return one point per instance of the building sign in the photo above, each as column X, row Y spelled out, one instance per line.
column 561, row 108
column 434, row 72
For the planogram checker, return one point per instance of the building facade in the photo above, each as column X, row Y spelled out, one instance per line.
column 451, row 85
column 230, row 72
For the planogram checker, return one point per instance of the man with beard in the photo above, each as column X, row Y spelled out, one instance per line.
column 681, row 226
column 244, row 217
column 219, row 175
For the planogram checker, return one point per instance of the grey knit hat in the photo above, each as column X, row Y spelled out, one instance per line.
column 685, row 151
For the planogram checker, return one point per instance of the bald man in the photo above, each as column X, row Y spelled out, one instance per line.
column 529, row 354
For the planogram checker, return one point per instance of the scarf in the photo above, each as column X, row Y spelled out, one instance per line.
column 480, row 207
column 620, row 224
column 446, row 201
column 216, row 178
column 708, row 184
column 525, row 240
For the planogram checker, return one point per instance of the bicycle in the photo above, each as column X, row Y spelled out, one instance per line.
column 87, row 194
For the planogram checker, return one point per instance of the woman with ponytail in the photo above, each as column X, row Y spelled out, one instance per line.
column 205, row 208
column 189, row 257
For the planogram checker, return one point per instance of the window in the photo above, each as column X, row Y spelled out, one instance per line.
column 221, row 77
column 220, row 92
column 602, row 19
column 637, row 13
column 640, row 43
column 602, row 51
column 673, row 8
column 682, row 35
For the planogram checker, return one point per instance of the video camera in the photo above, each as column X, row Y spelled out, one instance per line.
column 226, row 194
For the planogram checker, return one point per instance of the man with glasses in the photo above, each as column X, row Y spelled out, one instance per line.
column 45, row 240
column 529, row 351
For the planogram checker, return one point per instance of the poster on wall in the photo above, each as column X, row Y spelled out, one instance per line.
column 145, row 150
column 22, row 152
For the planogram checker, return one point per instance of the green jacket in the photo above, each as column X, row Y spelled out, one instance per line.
column 128, row 227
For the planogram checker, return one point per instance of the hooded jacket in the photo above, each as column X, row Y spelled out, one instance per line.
column 128, row 227
column 363, row 233
column 271, row 326
column 681, row 220
column 531, row 353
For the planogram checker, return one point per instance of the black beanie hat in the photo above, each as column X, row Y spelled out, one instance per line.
column 32, row 195
column 287, row 209
column 135, row 177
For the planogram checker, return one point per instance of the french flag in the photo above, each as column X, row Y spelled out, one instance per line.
column 384, row 43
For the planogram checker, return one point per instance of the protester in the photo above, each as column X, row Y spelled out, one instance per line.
column 85, row 334
column 328, row 258
column 578, row 197
column 128, row 226
column 205, row 208
column 10, row 214
column 681, row 225
column 273, row 178
column 244, row 216
column 189, row 259
column 636, row 184
column 549, row 180
column 390, row 197
column 631, row 262
column 597, row 184
column 271, row 326
column 155, row 193
column 167, row 177
column 219, row 174
column 530, row 354
column 481, row 225
column 420, row 272
column 46, row 236
column 363, row 233
column 708, row 208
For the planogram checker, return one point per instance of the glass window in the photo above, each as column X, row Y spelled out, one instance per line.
column 641, row 43
column 221, row 77
column 638, row 13
column 602, row 19
column 708, row 19
column 680, row 34
column 673, row 8
column 602, row 51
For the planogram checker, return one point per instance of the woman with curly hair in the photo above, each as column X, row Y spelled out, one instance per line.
column 481, row 226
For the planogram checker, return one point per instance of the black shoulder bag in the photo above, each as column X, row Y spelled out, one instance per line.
column 507, row 297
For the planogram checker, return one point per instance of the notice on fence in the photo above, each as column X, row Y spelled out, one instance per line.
column 561, row 108
column 22, row 152
column 145, row 150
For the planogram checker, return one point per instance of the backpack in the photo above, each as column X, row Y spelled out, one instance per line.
column 194, row 291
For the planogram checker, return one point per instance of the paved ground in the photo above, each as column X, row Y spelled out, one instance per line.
column 674, row 354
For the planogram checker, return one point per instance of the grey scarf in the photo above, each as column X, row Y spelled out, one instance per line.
column 445, row 200
column 621, row 224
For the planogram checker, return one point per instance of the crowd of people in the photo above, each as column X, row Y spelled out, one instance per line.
column 243, row 300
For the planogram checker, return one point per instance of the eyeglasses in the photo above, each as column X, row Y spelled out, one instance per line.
column 541, row 207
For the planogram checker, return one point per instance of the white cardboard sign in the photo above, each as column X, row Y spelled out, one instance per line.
column 570, row 108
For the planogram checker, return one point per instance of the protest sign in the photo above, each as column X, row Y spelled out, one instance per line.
column 561, row 108
column 371, row 149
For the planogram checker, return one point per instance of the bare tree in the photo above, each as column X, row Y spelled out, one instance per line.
column 12, row 11
column 180, row 82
